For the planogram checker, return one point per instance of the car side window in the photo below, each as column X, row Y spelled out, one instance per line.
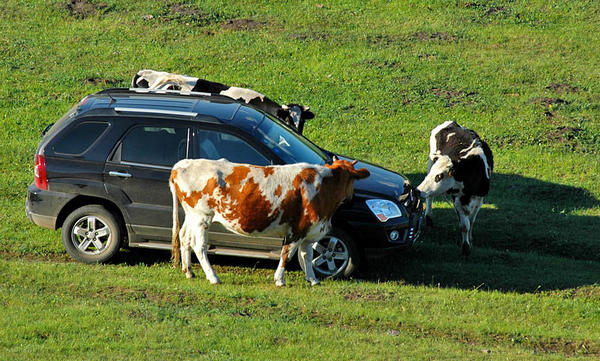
column 216, row 145
column 79, row 138
column 162, row 146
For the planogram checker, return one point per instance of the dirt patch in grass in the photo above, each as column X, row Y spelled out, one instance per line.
column 438, row 36
column 453, row 97
column 564, row 134
column 365, row 296
column 82, row 9
column 96, row 81
column 187, row 10
column 384, row 39
column 546, row 101
column 383, row 64
column 562, row 88
column 243, row 24
column 312, row 36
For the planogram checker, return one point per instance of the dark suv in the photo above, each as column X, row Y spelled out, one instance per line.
column 102, row 170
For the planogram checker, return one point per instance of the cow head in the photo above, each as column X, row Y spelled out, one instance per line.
column 440, row 179
column 295, row 115
column 345, row 174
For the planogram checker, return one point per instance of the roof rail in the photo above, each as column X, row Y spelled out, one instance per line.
column 155, row 111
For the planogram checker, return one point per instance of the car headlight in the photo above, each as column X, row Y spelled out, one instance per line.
column 384, row 209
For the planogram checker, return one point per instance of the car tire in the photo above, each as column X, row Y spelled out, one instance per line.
column 91, row 234
column 334, row 256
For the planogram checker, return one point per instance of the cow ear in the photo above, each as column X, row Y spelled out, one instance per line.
column 307, row 114
column 361, row 173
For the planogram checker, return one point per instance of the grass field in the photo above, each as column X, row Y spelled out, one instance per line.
column 379, row 75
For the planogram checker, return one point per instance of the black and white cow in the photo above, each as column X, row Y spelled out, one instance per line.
column 293, row 115
column 460, row 164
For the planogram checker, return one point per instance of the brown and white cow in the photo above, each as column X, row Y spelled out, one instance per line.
column 460, row 164
column 293, row 115
column 294, row 202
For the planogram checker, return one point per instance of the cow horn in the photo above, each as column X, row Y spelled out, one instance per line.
column 354, row 162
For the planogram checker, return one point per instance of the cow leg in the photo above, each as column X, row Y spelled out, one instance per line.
column 476, row 206
column 428, row 200
column 287, row 252
column 306, row 254
column 463, row 212
column 200, row 247
column 186, row 252
column 428, row 211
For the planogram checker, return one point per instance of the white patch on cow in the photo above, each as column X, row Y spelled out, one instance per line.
column 449, row 135
column 439, row 180
column 164, row 80
column 243, row 93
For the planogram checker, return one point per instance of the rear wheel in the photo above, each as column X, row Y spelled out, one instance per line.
column 334, row 256
column 91, row 234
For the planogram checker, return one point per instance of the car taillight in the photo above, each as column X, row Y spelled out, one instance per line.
column 41, row 181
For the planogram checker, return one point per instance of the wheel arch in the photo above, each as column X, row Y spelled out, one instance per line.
column 81, row 201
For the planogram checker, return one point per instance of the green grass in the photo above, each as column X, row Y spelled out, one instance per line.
column 379, row 75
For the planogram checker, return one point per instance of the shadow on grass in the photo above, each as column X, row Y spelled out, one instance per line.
column 528, row 238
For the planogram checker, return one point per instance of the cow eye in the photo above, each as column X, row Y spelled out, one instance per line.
column 439, row 177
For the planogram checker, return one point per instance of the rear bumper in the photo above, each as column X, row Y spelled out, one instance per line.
column 42, row 207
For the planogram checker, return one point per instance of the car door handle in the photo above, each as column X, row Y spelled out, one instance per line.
column 119, row 174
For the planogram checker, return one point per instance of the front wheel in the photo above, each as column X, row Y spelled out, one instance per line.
column 91, row 234
column 334, row 256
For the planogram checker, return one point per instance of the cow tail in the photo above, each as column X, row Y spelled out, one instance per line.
column 175, row 242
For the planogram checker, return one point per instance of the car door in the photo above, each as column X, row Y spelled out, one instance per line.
column 211, row 143
column 138, row 173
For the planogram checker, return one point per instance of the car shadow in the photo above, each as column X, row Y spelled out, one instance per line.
column 529, row 236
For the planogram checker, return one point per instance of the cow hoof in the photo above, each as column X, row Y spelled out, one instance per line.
column 428, row 221
column 279, row 283
column 189, row 274
column 214, row 281
column 466, row 249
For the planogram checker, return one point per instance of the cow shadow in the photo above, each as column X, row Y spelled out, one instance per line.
column 531, row 235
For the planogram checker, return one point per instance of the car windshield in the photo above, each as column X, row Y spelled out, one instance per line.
column 289, row 146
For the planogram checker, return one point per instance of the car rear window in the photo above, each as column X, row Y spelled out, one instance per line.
column 78, row 139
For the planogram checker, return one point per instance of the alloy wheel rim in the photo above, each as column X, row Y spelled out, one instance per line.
column 330, row 256
column 91, row 235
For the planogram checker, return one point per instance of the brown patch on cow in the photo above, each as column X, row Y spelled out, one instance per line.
column 268, row 171
column 242, row 24
column 562, row 88
column 278, row 191
column 285, row 252
column 306, row 175
column 96, row 81
column 82, row 9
